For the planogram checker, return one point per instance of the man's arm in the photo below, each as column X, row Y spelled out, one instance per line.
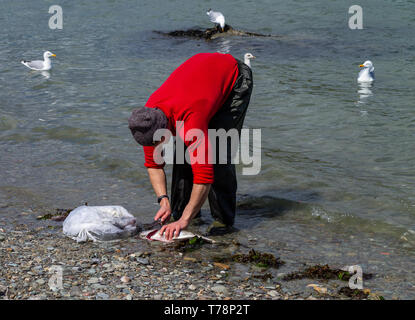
column 197, row 199
column 158, row 181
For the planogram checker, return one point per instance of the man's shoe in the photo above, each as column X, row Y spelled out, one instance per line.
column 218, row 228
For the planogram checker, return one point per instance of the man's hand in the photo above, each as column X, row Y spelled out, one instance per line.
column 164, row 211
column 173, row 229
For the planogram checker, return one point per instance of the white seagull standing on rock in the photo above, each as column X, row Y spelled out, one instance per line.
column 367, row 74
column 247, row 58
column 217, row 17
column 40, row 65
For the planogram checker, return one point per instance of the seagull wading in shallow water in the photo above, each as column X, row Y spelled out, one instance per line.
column 367, row 74
column 247, row 58
column 40, row 65
column 217, row 17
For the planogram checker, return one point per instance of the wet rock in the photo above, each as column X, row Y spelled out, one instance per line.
column 211, row 33
column 323, row 272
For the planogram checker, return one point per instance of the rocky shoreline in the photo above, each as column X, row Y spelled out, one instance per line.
column 41, row 263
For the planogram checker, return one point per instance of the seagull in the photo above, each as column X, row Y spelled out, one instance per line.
column 217, row 17
column 247, row 58
column 367, row 74
column 40, row 65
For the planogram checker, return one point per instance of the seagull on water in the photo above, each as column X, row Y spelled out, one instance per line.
column 40, row 65
column 367, row 74
column 247, row 58
column 217, row 17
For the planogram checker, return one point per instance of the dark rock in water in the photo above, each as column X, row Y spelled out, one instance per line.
column 58, row 215
column 263, row 276
column 59, row 218
column 211, row 33
column 354, row 293
column 262, row 260
column 323, row 272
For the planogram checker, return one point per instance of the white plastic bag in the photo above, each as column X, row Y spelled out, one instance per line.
column 99, row 223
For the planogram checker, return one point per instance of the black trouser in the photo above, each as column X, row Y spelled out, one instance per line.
column 222, row 195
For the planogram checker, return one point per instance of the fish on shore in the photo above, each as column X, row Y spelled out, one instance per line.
column 154, row 235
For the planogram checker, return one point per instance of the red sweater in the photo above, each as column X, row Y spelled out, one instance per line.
column 193, row 93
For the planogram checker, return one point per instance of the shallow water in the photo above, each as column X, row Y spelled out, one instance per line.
column 337, row 158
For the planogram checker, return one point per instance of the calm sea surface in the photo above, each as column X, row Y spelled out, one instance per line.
column 337, row 182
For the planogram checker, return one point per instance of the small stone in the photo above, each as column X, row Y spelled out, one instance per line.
column 93, row 280
column 125, row 279
column 137, row 254
column 190, row 259
column 98, row 286
column 129, row 297
column 143, row 261
column 220, row 289
column 91, row 271
column 192, row 287
column 75, row 291
column 319, row 289
column 273, row 293
column 102, row 296
column 40, row 282
column 120, row 286
column 221, row 265
column 38, row 297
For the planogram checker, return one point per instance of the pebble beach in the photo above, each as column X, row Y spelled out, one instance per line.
column 131, row 269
